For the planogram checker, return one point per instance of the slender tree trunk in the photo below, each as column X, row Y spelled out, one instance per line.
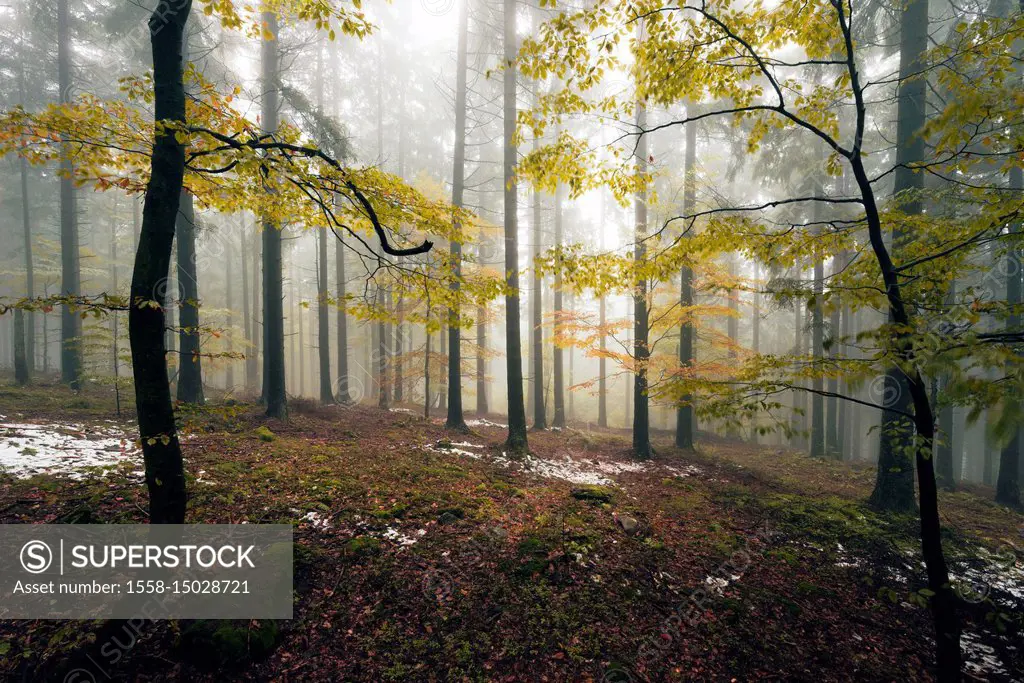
column 818, row 446
column 1008, row 484
column 832, row 444
column 165, row 475
column 344, row 394
column 273, row 291
column 684, row 413
column 229, row 296
column 21, row 375
column 641, row 351
column 190, row 368
column 455, row 419
column 247, row 322
column 602, row 363
column 481, row 345
column 536, row 400
column 516, row 443
column 26, row 222
column 557, row 361
column 944, row 470
column 71, row 327
column 383, row 392
column 323, row 321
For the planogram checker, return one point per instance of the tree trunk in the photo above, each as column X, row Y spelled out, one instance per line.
column 190, row 368
column 161, row 451
column 818, row 352
column 1008, row 484
column 536, row 399
column 558, row 376
column 684, row 413
column 323, row 330
column 26, row 222
column 229, row 297
column 516, row 444
column 481, row 346
column 21, row 375
column 273, row 292
column 344, row 395
column 70, row 323
column 247, row 321
column 641, row 352
column 455, row 419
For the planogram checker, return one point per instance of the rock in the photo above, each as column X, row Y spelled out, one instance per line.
column 629, row 524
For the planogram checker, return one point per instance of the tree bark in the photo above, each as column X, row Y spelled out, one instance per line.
column 818, row 352
column 1008, row 484
column 641, row 351
column 684, row 412
column 190, row 368
column 323, row 330
column 455, row 419
column 165, row 475
column 26, row 222
column 273, row 292
column 70, row 325
column 558, row 372
column 516, row 442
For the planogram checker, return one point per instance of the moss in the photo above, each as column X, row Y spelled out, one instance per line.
column 363, row 546
column 264, row 433
column 594, row 493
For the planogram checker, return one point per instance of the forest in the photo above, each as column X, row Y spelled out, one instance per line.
column 569, row 340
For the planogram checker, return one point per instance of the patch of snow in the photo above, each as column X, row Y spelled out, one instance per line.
column 565, row 466
column 480, row 422
column 28, row 449
column 318, row 520
column 396, row 536
column 980, row 659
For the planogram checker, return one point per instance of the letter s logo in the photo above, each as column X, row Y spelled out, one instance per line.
column 36, row 557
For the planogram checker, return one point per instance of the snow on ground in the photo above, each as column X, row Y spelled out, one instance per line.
column 485, row 423
column 980, row 659
column 570, row 467
column 28, row 449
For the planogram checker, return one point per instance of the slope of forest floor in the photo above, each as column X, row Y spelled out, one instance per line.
column 427, row 555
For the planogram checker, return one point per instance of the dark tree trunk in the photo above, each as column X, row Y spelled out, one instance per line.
column 641, row 351
column 247, row 321
column 684, row 413
column 516, row 443
column 1008, row 484
column 70, row 323
column 323, row 330
column 190, row 368
column 558, row 376
column 481, row 346
column 273, row 292
column 455, row 419
column 26, row 222
column 818, row 351
column 832, row 444
column 344, row 395
column 944, row 470
column 20, row 361
column 536, row 397
column 165, row 475
column 229, row 302
column 383, row 392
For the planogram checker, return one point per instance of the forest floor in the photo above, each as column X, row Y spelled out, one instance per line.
column 427, row 555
